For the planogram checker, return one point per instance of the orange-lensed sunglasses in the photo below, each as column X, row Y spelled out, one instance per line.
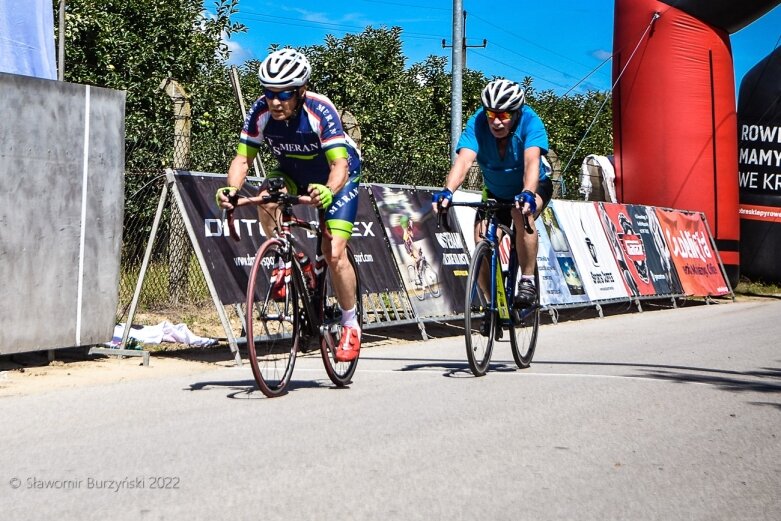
column 503, row 115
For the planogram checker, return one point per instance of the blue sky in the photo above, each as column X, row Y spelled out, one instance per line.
column 557, row 42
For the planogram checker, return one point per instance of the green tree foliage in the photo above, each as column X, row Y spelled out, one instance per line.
column 403, row 112
column 577, row 126
column 134, row 45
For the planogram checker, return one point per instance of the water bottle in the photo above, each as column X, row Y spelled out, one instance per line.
column 307, row 270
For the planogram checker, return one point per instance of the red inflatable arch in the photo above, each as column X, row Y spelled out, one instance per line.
column 674, row 118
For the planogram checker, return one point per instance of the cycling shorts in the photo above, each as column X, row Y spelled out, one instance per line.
column 340, row 216
column 544, row 189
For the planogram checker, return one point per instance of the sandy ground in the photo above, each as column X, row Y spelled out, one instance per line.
column 33, row 373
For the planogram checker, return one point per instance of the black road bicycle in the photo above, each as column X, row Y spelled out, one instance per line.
column 286, row 309
column 490, row 292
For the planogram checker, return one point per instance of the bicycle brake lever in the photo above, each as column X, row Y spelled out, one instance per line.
column 526, row 225
column 228, row 215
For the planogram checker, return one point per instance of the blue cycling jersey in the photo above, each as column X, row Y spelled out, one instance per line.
column 504, row 176
column 305, row 144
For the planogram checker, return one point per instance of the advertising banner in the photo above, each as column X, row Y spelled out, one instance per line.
column 375, row 267
column 433, row 263
column 590, row 248
column 560, row 281
column 466, row 216
column 692, row 252
column 229, row 262
column 628, row 248
column 661, row 269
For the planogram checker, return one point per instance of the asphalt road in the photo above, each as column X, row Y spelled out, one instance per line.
column 669, row 414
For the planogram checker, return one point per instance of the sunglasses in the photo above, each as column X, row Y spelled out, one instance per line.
column 505, row 114
column 285, row 95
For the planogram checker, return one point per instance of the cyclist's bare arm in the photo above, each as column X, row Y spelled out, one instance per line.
column 237, row 172
column 464, row 160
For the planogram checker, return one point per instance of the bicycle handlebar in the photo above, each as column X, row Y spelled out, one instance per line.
column 275, row 195
column 492, row 205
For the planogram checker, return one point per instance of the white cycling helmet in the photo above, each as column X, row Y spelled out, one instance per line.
column 503, row 95
column 285, row 68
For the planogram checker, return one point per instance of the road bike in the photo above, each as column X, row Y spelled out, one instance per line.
column 291, row 303
column 423, row 278
column 490, row 293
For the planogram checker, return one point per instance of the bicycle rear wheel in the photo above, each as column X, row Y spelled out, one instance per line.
column 272, row 318
column 479, row 321
column 524, row 324
column 340, row 373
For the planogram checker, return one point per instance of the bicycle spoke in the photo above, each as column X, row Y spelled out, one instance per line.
column 272, row 319
column 479, row 321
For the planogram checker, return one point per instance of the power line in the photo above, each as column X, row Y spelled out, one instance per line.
column 519, row 70
column 530, row 42
column 419, row 6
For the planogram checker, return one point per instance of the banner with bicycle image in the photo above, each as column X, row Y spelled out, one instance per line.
column 433, row 262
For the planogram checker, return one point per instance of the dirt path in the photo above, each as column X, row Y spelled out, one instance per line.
column 33, row 373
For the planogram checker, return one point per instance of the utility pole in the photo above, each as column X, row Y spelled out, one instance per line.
column 459, row 64
column 61, row 49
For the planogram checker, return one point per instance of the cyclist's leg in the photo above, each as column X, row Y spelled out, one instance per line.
column 527, row 244
column 339, row 221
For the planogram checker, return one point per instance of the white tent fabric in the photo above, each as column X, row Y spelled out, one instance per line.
column 606, row 180
column 27, row 38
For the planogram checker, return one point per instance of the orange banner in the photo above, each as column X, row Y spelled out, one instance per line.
column 693, row 253
column 760, row 213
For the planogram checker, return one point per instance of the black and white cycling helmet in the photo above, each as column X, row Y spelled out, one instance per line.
column 284, row 69
column 503, row 95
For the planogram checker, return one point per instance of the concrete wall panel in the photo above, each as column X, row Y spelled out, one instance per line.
column 59, row 243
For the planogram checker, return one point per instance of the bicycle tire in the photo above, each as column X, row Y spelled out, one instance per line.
column 524, row 327
column 418, row 289
column 340, row 373
column 273, row 328
column 477, row 309
column 431, row 280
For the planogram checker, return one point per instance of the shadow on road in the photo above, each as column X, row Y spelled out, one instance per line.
column 761, row 381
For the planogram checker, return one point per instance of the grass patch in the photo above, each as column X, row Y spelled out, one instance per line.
column 757, row 288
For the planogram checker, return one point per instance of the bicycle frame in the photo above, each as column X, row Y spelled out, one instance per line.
column 313, row 323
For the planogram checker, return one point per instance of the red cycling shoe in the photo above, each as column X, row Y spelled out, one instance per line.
column 349, row 344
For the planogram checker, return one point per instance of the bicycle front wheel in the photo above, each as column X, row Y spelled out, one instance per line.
column 340, row 373
column 524, row 324
column 272, row 318
column 479, row 321
column 431, row 280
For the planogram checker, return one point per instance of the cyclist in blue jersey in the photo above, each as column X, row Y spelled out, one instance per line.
column 508, row 140
column 316, row 159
